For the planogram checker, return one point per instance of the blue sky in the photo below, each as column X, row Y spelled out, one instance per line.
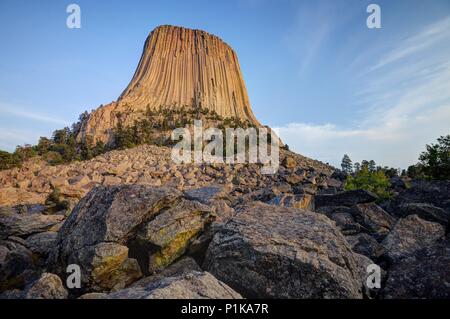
column 313, row 69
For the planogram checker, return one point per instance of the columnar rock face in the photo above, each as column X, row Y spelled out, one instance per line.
column 179, row 68
column 278, row 252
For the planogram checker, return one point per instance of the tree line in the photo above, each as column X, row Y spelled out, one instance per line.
column 62, row 147
column 153, row 127
column 434, row 163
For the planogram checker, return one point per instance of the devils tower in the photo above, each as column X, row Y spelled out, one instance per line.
column 179, row 67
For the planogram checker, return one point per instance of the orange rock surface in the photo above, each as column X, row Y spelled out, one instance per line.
column 179, row 67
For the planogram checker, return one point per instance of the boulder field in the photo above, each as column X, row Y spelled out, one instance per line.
column 138, row 226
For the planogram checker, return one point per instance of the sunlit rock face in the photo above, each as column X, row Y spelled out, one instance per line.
column 179, row 68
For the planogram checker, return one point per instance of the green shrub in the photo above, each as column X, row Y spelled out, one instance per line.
column 25, row 152
column 53, row 158
column 375, row 182
column 8, row 160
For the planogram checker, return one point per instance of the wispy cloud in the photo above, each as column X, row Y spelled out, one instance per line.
column 10, row 138
column 426, row 39
column 314, row 47
column 404, row 106
column 305, row 38
column 13, row 132
column 396, row 143
column 23, row 113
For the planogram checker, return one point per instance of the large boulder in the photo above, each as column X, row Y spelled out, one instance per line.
column 411, row 234
column 105, row 266
column 22, row 225
column 181, row 267
column 10, row 196
column 436, row 193
column 48, row 286
column 374, row 219
column 348, row 198
column 206, row 194
column 425, row 211
column 41, row 243
column 343, row 216
column 366, row 245
column 269, row 251
column 166, row 237
column 367, row 218
column 116, row 233
column 423, row 274
column 192, row 285
column 17, row 267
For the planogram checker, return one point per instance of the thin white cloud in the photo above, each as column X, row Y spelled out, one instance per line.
column 427, row 38
column 313, row 48
column 404, row 107
column 10, row 138
column 306, row 41
column 18, row 112
column 396, row 143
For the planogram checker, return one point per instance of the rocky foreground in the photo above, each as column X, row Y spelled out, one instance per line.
column 139, row 226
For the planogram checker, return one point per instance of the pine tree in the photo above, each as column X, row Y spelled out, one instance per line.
column 365, row 164
column 372, row 166
column 346, row 164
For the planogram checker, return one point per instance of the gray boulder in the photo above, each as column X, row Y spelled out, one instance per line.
column 423, row 274
column 343, row 216
column 436, row 193
column 348, row 198
column 425, row 211
column 22, row 225
column 117, row 233
column 48, row 286
column 41, row 243
column 192, row 285
column 269, row 251
column 205, row 195
column 169, row 234
column 104, row 266
column 181, row 267
column 374, row 219
column 366, row 245
column 17, row 267
column 368, row 218
column 411, row 234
